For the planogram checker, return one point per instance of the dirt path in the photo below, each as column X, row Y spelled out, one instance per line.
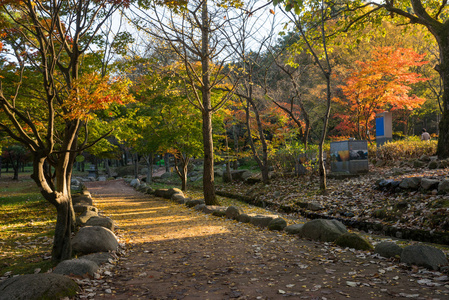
column 173, row 252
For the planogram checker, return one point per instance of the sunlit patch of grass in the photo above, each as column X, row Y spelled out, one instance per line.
column 26, row 228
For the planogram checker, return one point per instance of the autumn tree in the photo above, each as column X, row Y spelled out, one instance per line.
column 309, row 19
column 47, row 41
column 248, row 76
column 193, row 34
column 432, row 15
column 382, row 83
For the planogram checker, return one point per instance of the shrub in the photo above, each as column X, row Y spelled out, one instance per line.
column 408, row 148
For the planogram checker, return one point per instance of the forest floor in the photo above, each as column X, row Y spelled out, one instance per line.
column 356, row 199
column 173, row 252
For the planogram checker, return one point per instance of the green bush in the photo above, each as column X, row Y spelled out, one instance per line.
column 408, row 148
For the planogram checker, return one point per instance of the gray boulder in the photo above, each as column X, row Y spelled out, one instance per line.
column 424, row 256
column 101, row 221
column 429, row 184
column 261, row 220
column 314, row 206
column 77, row 267
column 410, row 183
column 177, row 197
column 38, row 286
column 167, row 193
column 388, row 249
column 135, row 182
column 162, row 193
column 240, row 175
column 433, row 165
column 232, row 212
column 443, row 187
column 81, row 208
column 81, row 199
column 102, row 178
column 294, row 228
column 277, row 224
column 174, row 191
column 322, row 230
column 210, row 209
column 244, row 218
column 193, row 203
column 352, row 240
column 141, row 187
column 92, row 239
column 82, row 219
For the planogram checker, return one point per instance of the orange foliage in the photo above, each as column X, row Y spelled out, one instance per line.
column 93, row 92
column 379, row 84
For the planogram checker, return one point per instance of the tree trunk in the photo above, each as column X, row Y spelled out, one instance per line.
column 136, row 165
column 263, row 163
column 208, row 143
column 167, row 162
column 184, row 169
column 60, row 198
column 443, row 126
column 150, row 168
column 235, row 134
column 208, row 171
column 62, row 246
column 227, row 174
column 15, row 167
column 107, row 168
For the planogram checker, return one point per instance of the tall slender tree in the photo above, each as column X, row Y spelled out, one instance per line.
column 193, row 34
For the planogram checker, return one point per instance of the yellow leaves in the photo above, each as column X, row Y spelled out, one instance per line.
column 93, row 92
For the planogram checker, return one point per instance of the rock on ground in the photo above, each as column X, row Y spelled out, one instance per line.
column 101, row 221
column 352, row 240
column 322, row 230
column 232, row 212
column 77, row 267
column 38, row 286
column 261, row 220
column 82, row 219
column 294, row 228
column 277, row 224
column 424, row 256
column 388, row 249
column 92, row 239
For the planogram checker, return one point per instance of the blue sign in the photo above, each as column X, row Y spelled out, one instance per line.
column 380, row 128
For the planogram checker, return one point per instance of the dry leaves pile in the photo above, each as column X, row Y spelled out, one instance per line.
column 172, row 252
column 356, row 198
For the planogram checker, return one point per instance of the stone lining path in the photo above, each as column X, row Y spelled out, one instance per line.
column 173, row 252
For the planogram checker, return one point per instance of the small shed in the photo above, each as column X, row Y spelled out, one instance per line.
column 349, row 157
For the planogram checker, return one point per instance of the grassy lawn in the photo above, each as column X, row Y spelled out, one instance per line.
column 26, row 227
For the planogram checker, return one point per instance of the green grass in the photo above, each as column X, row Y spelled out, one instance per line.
column 26, row 228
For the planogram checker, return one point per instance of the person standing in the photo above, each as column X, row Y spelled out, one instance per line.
column 425, row 136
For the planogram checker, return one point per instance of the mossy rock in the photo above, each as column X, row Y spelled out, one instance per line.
column 352, row 240
column 277, row 224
